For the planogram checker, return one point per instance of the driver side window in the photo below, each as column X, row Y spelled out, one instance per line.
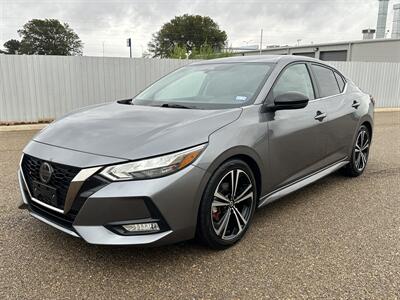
column 294, row 79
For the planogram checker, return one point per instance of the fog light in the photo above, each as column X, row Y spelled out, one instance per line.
column 142, row 227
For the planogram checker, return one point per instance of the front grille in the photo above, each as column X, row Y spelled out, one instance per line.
column 60, row 179
column 92, row 185
column 58, row 218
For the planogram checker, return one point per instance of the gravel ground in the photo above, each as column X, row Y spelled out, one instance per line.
column 339, row 238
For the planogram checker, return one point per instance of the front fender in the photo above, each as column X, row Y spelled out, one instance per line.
column 246, row 138
column 237, row 151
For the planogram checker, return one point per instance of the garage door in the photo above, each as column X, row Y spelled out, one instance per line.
column 333, row 55
column 308, row 54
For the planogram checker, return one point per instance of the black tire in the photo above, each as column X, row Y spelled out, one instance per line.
column 358, row 162
column 240, row 210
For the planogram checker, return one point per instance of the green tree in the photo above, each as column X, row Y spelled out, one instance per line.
column 12, row 46
column 207, row 52
column 178, row 52
column 49, row 37
column 189, row 32
column 204, row 52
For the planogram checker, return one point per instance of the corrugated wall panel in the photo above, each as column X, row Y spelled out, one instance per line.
column 382, row 80
column 35, row 88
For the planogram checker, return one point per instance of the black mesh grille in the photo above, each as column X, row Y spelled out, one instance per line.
column 60, row 179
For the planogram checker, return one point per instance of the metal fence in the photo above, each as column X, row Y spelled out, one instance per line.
column 39, row 88
column 382, row 80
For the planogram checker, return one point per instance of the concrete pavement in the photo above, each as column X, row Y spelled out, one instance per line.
column 338, row 238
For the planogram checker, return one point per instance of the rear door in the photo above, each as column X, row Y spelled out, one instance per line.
column 341, row 112
column 296, row 137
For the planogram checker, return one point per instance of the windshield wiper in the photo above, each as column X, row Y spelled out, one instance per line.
column 126, row 101
column 172, row 105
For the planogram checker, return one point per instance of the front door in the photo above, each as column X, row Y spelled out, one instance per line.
column 296, row 137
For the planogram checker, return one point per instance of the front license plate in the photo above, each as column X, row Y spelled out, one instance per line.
column 45, row 193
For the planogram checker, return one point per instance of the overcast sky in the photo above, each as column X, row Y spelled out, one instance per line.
column 112, row 21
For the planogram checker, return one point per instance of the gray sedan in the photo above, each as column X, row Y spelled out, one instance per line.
column 197, row 152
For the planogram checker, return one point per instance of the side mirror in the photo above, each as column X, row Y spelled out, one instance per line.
column 290, row 100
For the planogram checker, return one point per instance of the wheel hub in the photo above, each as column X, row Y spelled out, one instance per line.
column 361, row 150
column 232, row 204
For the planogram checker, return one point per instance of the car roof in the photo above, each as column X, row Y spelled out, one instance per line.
column 258, row 58
column 283, row 60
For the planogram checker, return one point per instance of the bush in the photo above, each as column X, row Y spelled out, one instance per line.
column 204, row 52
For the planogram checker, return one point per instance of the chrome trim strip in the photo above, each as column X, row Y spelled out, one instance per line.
column 102, row 236
column 76, row 185
column 21, row 182
column 331, row 96
column 44, row 220
column 300, row 183
column 20, row 160
column 60, row 211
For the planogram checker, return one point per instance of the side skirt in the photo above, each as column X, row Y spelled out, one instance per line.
column 271, row 197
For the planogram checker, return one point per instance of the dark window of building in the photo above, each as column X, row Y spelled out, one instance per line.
column 308, row 54
column 327, row 83
column 340, row 81
column 333, row 55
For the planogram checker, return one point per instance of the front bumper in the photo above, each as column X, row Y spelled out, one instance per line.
column 173, row 200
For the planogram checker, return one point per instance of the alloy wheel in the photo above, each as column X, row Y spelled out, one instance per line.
column 232, row 204
column 361, row 150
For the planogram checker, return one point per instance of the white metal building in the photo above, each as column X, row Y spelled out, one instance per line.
column 396, row 21
column 372, row 50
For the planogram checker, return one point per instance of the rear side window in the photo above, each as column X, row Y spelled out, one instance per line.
column 340, row 81
column 294, row 79
column 326, row 79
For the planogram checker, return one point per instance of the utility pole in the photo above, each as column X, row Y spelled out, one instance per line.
column 103, row 48
column 261, row 41
column 129, row 44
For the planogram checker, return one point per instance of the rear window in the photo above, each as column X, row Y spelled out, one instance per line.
column 340, row 81
column 328, row 86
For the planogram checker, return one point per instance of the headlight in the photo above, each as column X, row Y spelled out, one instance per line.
column 153, row 167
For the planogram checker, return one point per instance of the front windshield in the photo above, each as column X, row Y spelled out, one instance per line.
column 210, row 86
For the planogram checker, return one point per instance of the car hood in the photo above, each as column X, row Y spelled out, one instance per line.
column 133, row 131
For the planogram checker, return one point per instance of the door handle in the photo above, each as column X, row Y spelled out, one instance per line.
column 320, row 116
column 355, row 104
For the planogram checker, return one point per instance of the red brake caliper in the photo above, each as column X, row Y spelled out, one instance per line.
column 216, row 213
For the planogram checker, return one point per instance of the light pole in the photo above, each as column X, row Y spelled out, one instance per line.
column 129, row 44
